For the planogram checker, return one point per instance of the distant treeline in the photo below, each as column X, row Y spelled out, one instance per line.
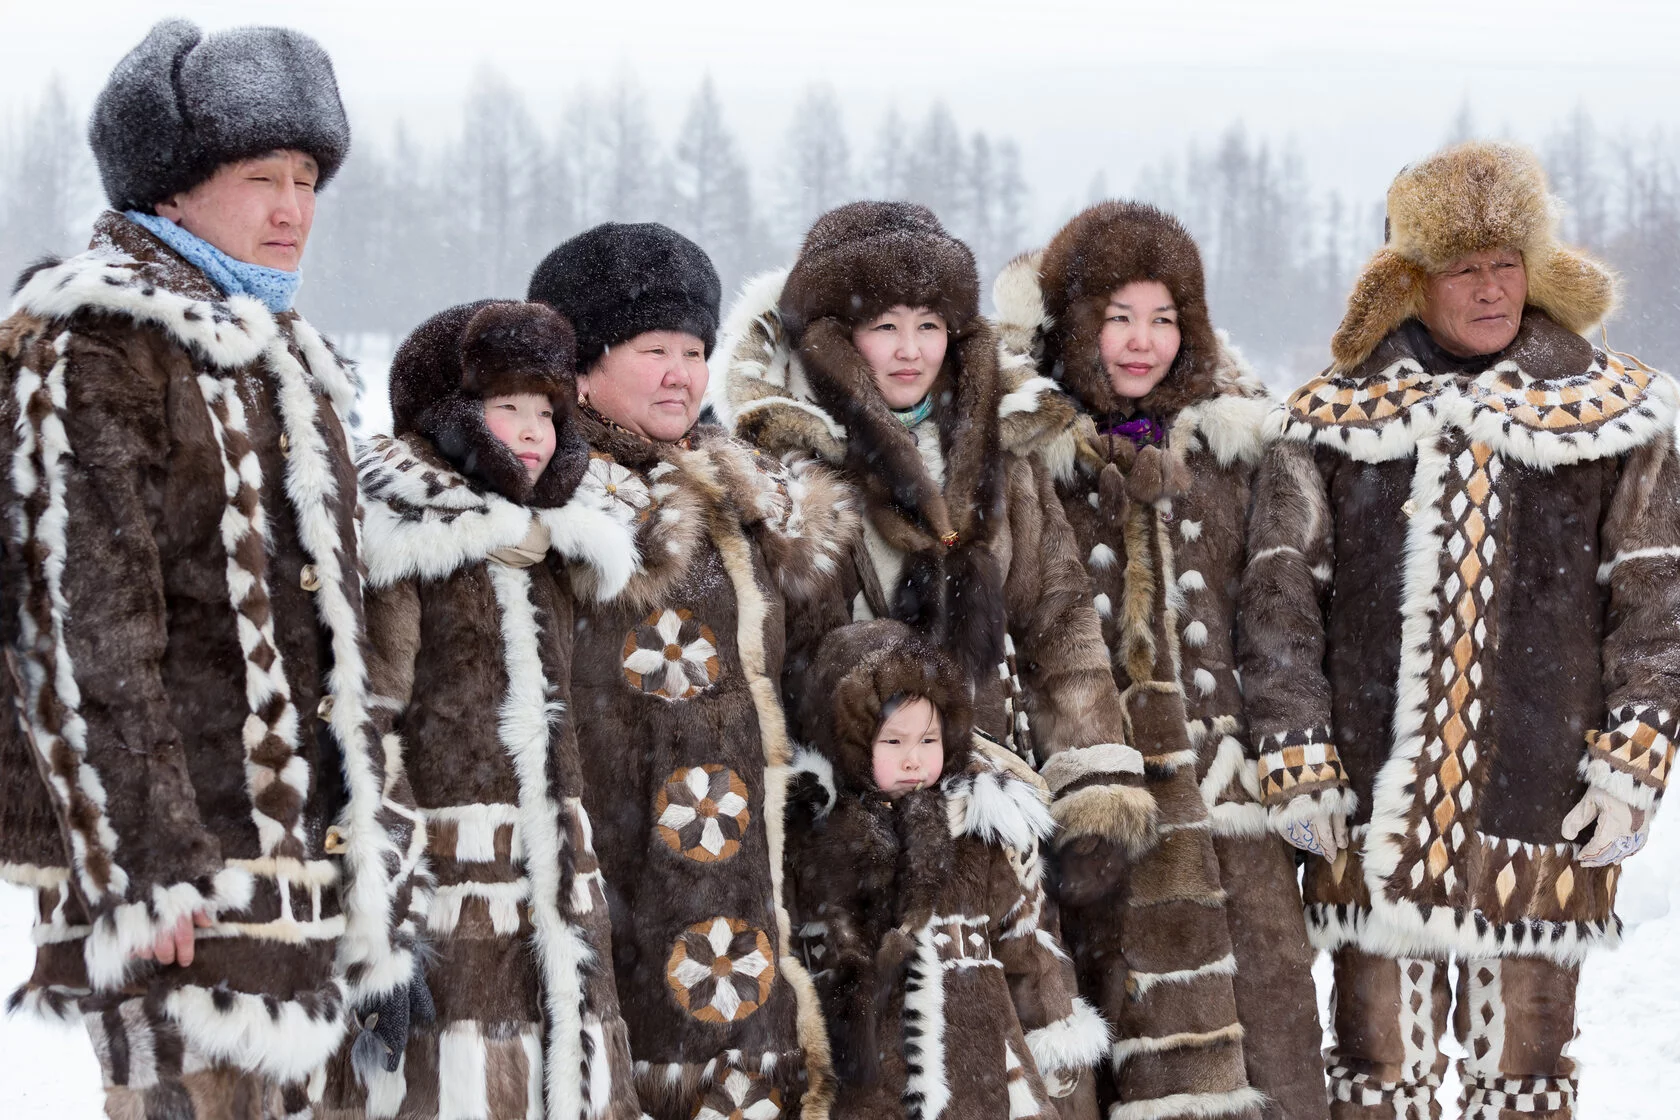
column 411, row 227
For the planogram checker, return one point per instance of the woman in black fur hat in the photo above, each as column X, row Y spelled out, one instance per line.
column 675, row 681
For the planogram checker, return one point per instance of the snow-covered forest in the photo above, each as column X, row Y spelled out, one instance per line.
column 411, row 226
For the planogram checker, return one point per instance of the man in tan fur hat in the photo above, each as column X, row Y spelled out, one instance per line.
column 1459, row 607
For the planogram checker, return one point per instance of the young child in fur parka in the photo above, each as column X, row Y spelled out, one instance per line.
column 918, row 900
column 470, row 517
column 1155, row 472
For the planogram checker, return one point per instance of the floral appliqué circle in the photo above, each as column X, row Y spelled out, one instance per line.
column 615, row 488
column 672, row 654
column 702, row 812
column 740, row 1096
column 721, row 970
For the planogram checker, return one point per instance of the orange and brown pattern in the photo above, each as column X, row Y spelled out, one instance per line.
column 672, row 654
column 721, row 971
column 702, row 812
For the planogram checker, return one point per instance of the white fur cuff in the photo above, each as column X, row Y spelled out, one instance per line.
column 1076, row 1042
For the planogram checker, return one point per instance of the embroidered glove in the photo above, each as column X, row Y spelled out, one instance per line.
column 384, row 1025
column 1620, row 831
column 1312, row 826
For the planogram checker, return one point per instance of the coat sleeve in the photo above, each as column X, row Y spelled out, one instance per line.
column 87, row 452
column 1065, row 1035
column 1072, row 704
column 1285, row 589
column 1631, row 756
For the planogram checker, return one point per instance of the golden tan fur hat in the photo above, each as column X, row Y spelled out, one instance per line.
column 1464, row 199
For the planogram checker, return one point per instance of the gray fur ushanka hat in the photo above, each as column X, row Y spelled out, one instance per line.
column 182, row 104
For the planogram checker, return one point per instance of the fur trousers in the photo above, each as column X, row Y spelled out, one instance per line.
column 151, row 1074
column 1513, row 1015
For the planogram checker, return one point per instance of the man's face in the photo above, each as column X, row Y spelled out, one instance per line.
column 1474, row 305
column 257, row 210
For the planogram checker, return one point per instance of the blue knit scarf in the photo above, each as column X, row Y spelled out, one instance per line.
column 274, row 288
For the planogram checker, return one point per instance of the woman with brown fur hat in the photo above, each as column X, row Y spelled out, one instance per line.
column 471, row 511
column 917, row 887
column 1154, row 473
column 676, row 678
column 870, row 354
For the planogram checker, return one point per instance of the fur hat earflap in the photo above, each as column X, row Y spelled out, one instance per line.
column 617, row 281
column 444, row 371
column 182, row 104
column 1100, row 251
column 866, row 257
column 1465, row 199
column 857, row 670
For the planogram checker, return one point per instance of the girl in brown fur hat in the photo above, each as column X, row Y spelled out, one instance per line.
column 471, row 628
column 917, row 898
column 1154, row 473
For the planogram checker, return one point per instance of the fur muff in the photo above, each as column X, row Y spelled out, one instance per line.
column 1464, row 199
column 1100, row 251
column 862, row 258
column 923, row 920
column 617, row 281
column 1010, row 600
column 684, row 748
column 1216, row 922
column 1552, row 468
column 186, row 634
column 471, row 654
column 443, row 373
column 182, row 104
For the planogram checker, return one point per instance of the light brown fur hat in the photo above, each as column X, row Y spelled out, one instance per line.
column 1464, row 199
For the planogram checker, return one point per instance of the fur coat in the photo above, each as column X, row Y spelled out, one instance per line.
column 1009, row 598
column 924, row 920
column 1216, row 965
column 184, row 639
column 685, row 754
column 470, row 631
column 1504, row 549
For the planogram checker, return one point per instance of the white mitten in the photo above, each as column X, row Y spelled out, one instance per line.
column 1312, row 826
column 1620, row 831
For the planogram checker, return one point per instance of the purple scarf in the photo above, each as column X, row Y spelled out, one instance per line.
column 1143, row 431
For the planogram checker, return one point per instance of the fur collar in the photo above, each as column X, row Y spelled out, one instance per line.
column 1551, row 400
column 983, row 799
column 1228, row 420
column 424, row 520
column 129, row 274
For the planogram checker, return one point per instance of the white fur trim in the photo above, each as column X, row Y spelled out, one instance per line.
column 1620, row 784
column 998, row 808
column 1018, row 296
column 585, row 535
column 1606, row 569
column 1024, row 397
column 1126, row 1049
column 524, row 726
column 463, row 1086
column 924, row 1027
column 1074, row 1042
column 117, row 935
column 1196, row 634
column 288, row 1044
column 1304, row 807
column 808, row 761
column 1102, row 557
column 1144, row 981
column 33, row 877
column 1069, row 766
column 1199, row 1105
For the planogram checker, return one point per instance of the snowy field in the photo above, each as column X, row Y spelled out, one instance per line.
column 1629, row 1049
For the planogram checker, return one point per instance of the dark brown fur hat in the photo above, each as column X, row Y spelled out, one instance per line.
column 443, row 372
column 865, row 257
column 1105, row 248
column 1465, row 199
column 861, row 666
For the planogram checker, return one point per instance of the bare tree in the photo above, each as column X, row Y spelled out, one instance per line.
column 47, row 190
column 713, row 193
column 814, row 174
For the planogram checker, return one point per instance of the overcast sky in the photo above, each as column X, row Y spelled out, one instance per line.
column 1083, row 87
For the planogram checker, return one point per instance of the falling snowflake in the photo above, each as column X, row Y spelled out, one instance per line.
column 721, row 970
column 671, row 654
column 702, row 812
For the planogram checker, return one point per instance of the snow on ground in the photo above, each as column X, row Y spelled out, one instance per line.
column 1629, row 1049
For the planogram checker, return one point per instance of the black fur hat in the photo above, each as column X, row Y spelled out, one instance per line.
column 182, row 104
column 442, row 373
column 617, row 281
column 866, row 257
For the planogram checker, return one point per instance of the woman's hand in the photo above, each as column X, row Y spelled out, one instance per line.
column 1619, row 832
column 175, row 945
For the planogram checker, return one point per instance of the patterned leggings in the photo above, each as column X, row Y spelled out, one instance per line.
column 1514, row 1016
column 151, row 1073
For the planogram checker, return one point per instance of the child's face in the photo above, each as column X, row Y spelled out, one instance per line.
column 909, row 749
column 525, row 423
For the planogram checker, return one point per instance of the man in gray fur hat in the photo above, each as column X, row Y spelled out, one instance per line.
column 198, row 788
